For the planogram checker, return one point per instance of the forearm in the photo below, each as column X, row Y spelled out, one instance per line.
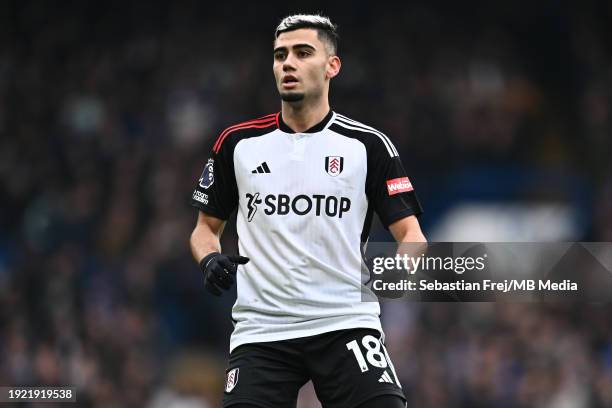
column 203, row 241
column 413, row 235
column 407, row 230
column 410, row 238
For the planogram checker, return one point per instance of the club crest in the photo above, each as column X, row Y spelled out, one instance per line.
column 231, row 380
column 334, row 165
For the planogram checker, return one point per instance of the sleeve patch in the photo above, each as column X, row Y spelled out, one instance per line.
column 200, row 197
column 398, row 185
column 207, row 178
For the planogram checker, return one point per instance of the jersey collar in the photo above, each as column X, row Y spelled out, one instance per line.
column 316, row 128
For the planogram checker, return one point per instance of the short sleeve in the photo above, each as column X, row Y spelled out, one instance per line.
column 216, row 192
column 388, row 186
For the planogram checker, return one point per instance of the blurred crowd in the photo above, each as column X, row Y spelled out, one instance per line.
column 502, row 355
column 108, row 111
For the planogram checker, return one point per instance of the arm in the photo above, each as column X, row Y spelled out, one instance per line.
column 407, row 229
column 218, row 268
column 206, row 235
column 216, row 197
column 407, row 232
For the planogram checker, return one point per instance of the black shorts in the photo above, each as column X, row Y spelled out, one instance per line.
column 347, row 368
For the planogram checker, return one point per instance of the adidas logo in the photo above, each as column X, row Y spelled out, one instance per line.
column 262, row 168
column 386, row 378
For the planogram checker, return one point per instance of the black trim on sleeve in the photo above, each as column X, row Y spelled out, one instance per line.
column 209, row 211
column 398, row 216
column 412, row 207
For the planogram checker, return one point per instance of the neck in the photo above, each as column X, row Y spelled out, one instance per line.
column 301, row 117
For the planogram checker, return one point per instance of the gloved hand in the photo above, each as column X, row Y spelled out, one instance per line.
column 219, row 270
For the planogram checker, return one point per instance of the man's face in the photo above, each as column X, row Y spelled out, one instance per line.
column 301, row 65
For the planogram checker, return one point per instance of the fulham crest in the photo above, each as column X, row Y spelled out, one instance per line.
column 334, row 165
column 231, row 380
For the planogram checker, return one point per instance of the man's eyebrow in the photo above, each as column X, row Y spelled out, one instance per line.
column 295, row 47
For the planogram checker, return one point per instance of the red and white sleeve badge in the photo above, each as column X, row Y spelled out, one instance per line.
column 398, row 185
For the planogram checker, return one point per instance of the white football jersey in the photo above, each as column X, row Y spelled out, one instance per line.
column 305, row 204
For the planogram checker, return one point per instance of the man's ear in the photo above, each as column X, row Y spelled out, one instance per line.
column 333, row 66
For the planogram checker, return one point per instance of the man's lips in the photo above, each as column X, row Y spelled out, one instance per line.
column 289, row 81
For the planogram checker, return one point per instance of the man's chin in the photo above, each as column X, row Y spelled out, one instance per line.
column 292, row 96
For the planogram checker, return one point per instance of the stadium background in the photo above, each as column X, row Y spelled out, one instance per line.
column 501, row 111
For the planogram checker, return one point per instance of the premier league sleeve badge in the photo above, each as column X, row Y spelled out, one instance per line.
column 207, row 178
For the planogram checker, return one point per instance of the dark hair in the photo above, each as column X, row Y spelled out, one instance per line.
column 326, row 30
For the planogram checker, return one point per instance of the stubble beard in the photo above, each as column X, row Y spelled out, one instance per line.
column 292, row 96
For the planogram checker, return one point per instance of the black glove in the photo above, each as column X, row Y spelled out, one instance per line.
column 219, row 270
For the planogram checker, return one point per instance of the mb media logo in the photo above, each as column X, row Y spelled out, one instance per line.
column 302, row 204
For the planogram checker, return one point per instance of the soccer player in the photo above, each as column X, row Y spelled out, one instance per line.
column 306, row 182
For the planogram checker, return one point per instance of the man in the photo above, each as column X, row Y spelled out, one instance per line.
column 306, row 182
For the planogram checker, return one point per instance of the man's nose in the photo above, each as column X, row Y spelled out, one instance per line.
column 288, row 64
